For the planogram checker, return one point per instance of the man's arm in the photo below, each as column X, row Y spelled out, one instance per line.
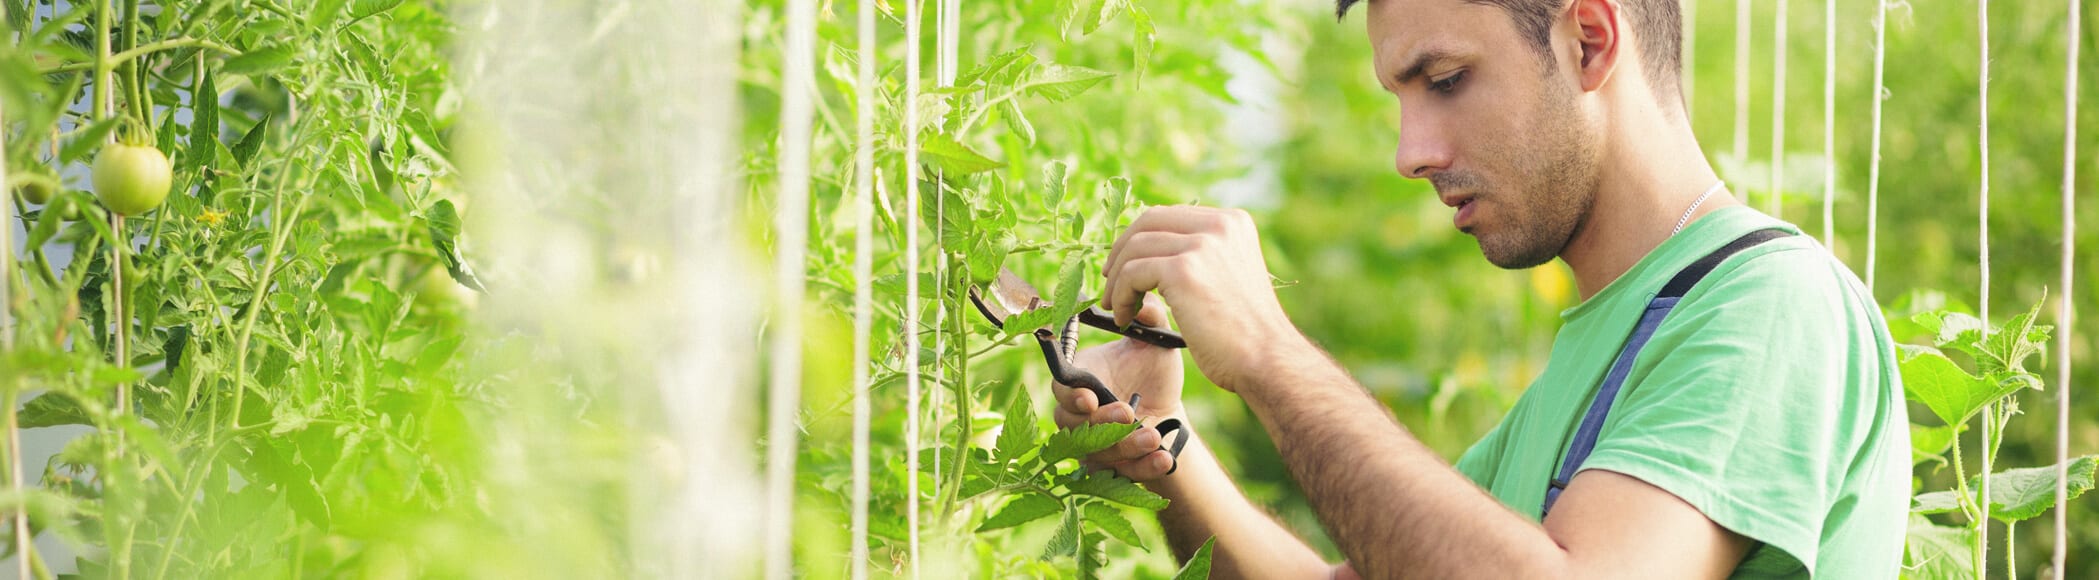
column 1394, row 507
column 1397, row 510
column 1203, row 500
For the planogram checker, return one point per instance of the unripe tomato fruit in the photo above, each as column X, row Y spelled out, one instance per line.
column 37, row 190
column 132, row 179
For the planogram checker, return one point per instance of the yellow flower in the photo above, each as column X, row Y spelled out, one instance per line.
column 212, row 217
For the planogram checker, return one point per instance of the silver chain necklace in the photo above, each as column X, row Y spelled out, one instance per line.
column 1694, row 206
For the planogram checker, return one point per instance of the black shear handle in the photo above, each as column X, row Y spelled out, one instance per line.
column 1070, row 375
column 1101, row 319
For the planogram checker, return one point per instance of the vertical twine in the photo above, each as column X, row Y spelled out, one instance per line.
column 911, row 305
column 1778, row 115
column 2063, row 298
column 1829, row 123
column 863, row 277
column 791, row 226
column 1982, row 219
column 1741, row 137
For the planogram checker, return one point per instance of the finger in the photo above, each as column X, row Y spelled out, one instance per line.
column 1140, row 443
column 1135, row 279
column 1165, row 218
column 1140, row 246
column 1147, row 467
column 1078, row 403
column 1116, row 412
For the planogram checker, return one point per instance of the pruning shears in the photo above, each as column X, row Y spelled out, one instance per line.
column 1009, row 296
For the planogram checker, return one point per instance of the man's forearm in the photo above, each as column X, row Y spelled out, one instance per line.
column 1393, row 506
column 1250, row 543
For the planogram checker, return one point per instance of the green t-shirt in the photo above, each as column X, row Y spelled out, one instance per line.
column 1769, row 400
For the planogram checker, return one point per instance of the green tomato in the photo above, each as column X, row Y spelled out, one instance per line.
column 132, row 180
column 37, row 189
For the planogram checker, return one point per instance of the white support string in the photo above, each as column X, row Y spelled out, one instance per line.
column 1829, row 123
column 1982, row 218
column 791, row 229
column 863, row 278
column 1880, row 66
column 2064, row 296
column 1778, row 115
column 1741, row 144
column 911, row 305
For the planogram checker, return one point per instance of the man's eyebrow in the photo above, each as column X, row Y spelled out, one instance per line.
column 1422, row 61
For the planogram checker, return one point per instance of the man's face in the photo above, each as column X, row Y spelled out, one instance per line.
column 1500, row 135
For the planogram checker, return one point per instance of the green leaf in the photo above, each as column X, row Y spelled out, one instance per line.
column 323, row 14
column 1927, row 443
column 251, row 143
column 367, row 8
column 1109, row 520
column 52, row 409
column 1071, row 281
column 1115, row 195
column 1017, row 121
column 1079, row 441
column 1106, row 485
column 1936, row 552
column 1107, row 11
column 1952, row 394
column 2006, row 349
column 204, row 125
column 953, row 156
column 1021, row 431
column 257, row 61
column 1143, row 38
column 1022, row 509
column 2025, row 493
column 1061, row 82
column 1054, row 175
column 1937, row 502
column 1067, row 539
column 443, row 223
column 88, row 139
column 1198, row 566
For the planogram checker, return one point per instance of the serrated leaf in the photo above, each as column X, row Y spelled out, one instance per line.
column 2006, row 349
column 953, row 156
column 2027, row 492
column 1143, row 38
column 1198, row 566
column 257, row 61
column 1054, row 175
column 367, row 8
column 1952, row 394
column 998, row 68
column 1058, row 82
column 1017, row 121
column 1109, row 520
column 1067, row 538
column 1020, row 432
column 1080, row 441
column 251, row 143
column 204, row 125
column 1935, row 552
column 1020, row 510
column 88, row 139
column 52, row 409
column 1115, row 195
column 324, row 13
column 1106, row 485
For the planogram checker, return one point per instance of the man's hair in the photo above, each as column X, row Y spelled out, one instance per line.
column 1659, row 24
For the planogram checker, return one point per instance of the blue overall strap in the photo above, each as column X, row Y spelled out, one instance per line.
column 1650, row 319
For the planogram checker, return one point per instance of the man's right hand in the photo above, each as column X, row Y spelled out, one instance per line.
column 1129, row 367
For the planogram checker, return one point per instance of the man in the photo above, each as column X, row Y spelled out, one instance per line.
column 1760, row 431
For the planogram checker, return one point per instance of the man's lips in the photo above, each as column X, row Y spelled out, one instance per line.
column 1465, row 206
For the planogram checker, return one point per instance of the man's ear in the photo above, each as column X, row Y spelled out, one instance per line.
column 1599, row 30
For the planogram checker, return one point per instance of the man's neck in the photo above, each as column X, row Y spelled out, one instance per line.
column 1651, row 172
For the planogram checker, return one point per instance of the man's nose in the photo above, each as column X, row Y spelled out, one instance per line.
column 1423, row 150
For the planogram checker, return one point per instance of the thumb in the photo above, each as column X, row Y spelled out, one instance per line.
column 1153, row 312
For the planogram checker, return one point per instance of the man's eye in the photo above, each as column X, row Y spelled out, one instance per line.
column 1448, row 84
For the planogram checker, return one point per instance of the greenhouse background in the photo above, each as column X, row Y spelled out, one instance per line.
column 619, row 288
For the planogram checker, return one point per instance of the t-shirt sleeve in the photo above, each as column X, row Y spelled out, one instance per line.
column 1739, row 404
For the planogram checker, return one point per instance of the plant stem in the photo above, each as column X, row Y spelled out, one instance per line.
column 149, row 48
column 1960, row 479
